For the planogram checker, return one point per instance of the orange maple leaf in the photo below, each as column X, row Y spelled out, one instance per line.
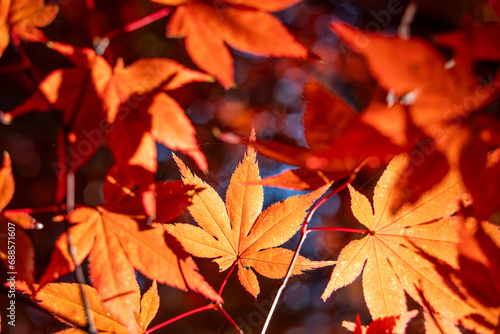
column 23, row 18
column 434, row 322
column 132, row 130
column 94, row 85
column 64, row 301
column 392, row 264
column 243, row 25
column 116, row 245
column 475, row 279
column 237, row 231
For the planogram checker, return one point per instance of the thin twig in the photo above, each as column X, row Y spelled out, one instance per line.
column 30, row 211
column 303, row 233
column 19, row 67
column 139, row 23
column 179, row 317
column 80, row 278
column 25, row 60
column 94, row 22
column 101, row 44
column 338, row 229
column 404, row 31
column 227, row 277
column 228, row 318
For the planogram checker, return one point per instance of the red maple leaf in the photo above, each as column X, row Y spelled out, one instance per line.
column 442, row 102
column 244, row 25
column 23, row 18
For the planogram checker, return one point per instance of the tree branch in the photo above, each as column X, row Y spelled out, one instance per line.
column 303, row 233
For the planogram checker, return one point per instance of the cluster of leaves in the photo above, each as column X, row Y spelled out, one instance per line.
column 426, row 233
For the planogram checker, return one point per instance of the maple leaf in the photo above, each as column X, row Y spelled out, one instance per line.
column 487, row 205
column 237, row 231
column 95, row 86
column 339, row 143
column 23, row 18
column 395, row 324
column 130, row 124
column 434, row 322
column 115, row 245
column 474, row 280
column 439, row 97
column 64, row 301
column 11, row 236
column 392, row 264
column 243, row 25
column 123, row 195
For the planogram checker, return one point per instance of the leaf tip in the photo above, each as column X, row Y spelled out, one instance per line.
column 7, row 162
column 252, row 136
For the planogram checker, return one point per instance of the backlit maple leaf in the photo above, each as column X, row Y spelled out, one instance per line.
column 475, row 279
column 64, row 301
column 116, row 244
column 388, row 256
column 108, row 93
column 23, row 18
column 442, row 100
column 100, row 102
column 244, row 25
column 238, row 231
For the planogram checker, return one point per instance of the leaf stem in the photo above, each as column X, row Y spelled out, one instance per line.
column 181, row 316
column 25, row 60
column 228, row 318
column 227, row 277
column 80, row 278
column 338, row 229
column 43, row 209
column 29, row 211
column 139, row 23
column 94, row 23
column 303, row 233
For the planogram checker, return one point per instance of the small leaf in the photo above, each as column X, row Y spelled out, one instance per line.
column 150, row 303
